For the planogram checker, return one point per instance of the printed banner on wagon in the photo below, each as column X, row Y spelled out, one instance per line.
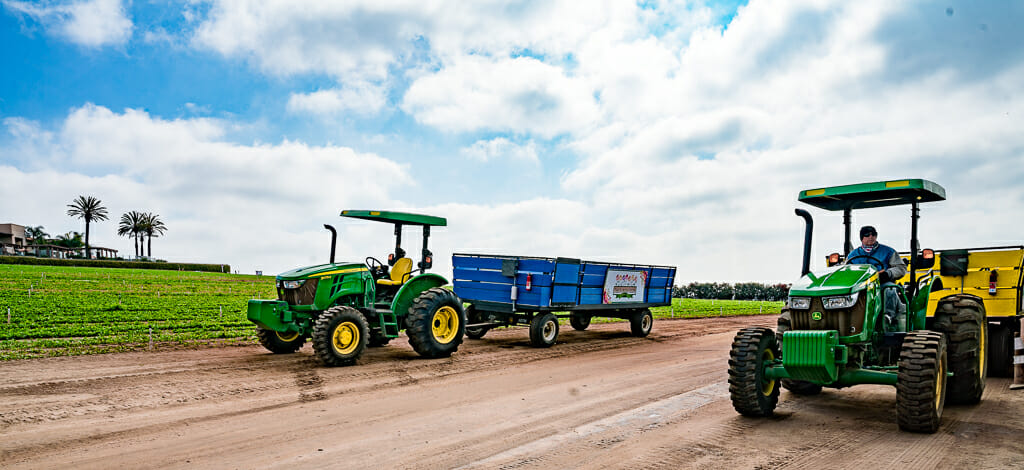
column 621, row 286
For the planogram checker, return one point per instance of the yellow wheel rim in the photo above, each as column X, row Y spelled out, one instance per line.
column 981, row 350
column 767, row 386
column 940, row 380
column 288, row 336
column 345, row 339
column 445, row 324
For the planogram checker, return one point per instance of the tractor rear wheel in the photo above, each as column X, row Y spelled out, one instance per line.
column 339, row 336
column 640, row 323
column 579, row 322
column 921, row 381
column 1000, row 351
column 752, row 394
column 280, row 343
column 961, row 318
column 543, row 330
column 436, row 323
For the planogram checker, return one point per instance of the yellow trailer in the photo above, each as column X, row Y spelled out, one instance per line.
column 995, row 275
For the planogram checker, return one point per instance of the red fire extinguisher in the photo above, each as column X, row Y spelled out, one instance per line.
column 992, row 282
column 529, row 282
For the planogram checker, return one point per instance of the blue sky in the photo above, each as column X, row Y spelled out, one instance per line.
column 672, row 132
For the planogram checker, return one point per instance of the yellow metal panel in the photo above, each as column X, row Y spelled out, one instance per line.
column 980, row 264
column 814, row 192
column 341, row 271
column 897, row 184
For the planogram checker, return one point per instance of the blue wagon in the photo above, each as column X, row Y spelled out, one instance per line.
column 524, row 290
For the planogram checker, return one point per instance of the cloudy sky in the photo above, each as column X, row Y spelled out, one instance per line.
column 663, row 132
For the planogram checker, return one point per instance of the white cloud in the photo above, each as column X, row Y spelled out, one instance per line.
column 361, row 98
column 513, row 95
column 90, row 23
column 248, row 205
column 484, row 150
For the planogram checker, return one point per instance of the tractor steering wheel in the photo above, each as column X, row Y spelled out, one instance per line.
column 377, row 268
column 874, row 262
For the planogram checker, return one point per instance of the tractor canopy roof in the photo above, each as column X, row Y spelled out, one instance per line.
column 877, row 194
column 403, row 218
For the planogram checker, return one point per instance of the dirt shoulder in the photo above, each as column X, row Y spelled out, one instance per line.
column 597, row 399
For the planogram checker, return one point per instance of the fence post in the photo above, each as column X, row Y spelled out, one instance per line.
column 8, row 315
column 151, row 337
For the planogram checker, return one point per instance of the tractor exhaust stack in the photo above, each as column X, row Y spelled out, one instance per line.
column 334, row 240
column 808, row 231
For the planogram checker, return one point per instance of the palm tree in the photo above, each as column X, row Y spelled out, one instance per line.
column 36, row 234
column 131, row 225
column 90, row 209
column 152, row 226
column 69, row 240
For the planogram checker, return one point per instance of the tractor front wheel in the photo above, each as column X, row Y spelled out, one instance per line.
column 921, row 381
column 641, row 322
column 543, row 330
column 436, row 323
column 801, row 387
column 962, row 319
column 339, row 336
column 752, row 394
column 280, row 343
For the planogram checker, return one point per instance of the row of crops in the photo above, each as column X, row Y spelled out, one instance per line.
column 56, row 311
column 50, row 311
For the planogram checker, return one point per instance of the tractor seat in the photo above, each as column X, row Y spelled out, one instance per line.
column 399, row 273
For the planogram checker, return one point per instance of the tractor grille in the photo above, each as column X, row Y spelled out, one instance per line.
column 302, row 296
column 847, row 321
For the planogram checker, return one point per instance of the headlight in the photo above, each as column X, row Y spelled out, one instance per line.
column 292, row 284
column 800, row 303
column 840, row 301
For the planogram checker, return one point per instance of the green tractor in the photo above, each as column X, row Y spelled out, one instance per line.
column 345, row 307
column 837, row 330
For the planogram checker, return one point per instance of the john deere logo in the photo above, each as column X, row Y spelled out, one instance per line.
column 816, row 316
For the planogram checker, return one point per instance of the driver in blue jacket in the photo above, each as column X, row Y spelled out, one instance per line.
column 878, row 255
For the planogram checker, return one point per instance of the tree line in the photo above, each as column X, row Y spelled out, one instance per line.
column 142, row 227
column 738, row 291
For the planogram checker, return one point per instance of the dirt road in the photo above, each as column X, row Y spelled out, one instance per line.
column 598, row 399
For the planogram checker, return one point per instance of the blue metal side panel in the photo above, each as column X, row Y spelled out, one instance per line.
column 566, row 288
column 536, row 266
column 476, row 262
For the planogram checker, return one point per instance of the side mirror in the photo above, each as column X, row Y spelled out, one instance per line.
column 428, row 260
column 926, row 259
column 833, row 259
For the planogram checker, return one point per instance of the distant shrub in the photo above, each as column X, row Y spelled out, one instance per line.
column 28, row 260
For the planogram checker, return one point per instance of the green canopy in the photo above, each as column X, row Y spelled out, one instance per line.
column 877, row 194
column 403, row 218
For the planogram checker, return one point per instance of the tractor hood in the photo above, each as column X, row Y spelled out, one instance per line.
column 838, row 280
column 321, row 270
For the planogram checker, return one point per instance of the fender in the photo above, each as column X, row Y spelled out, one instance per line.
column 919, row 304
column 412, row 289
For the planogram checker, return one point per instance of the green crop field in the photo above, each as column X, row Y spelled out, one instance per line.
column 59, row 311
column 56, row 311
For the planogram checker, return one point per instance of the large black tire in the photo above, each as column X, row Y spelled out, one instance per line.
column 476, row 332
column 800, row 387
column 339, row 336
column 751, row 393
column 543, row 330
column 961, row 318
column 579, row 322
column 921, row 381
column 436, row 323
column 377, row 339
column 1000, row 351
column 280, row 343
column 641, row 322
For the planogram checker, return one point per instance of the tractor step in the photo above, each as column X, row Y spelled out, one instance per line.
column 388, row 323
